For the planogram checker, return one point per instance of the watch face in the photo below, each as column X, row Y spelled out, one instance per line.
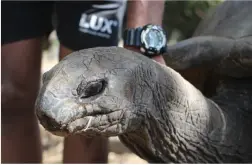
column 153, row 38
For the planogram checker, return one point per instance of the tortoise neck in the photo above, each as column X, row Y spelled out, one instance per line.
column 181, row 119
column 171, row 141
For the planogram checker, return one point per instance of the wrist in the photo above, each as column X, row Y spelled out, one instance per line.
column 150, row 39
column 157, row 58
column 133, row 48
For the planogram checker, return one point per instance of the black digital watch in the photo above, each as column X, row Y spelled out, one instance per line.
column 150, row 39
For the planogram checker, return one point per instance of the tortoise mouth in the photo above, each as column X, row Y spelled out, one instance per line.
column 95, row 123
column 85, row 119
column 80, row 125
column 52, row 126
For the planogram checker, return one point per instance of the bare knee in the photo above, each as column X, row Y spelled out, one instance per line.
column 21, row 61
column 17, row 101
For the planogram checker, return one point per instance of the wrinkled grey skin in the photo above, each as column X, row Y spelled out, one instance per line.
column 156, row 113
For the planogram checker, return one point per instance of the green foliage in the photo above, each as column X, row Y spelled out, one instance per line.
column 182, row 17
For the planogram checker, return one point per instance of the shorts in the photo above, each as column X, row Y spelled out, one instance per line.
column 79, row 24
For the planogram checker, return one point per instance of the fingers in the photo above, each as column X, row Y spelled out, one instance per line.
column 159, row 59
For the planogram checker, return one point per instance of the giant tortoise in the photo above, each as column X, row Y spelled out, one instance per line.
column 155, row 111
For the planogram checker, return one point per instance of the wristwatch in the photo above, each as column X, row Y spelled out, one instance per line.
column 150, row 39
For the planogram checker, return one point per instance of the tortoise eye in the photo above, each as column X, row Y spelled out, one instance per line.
column 92, row 88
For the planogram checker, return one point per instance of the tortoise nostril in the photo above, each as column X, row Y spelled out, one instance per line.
column 92, row 88
column 49, row 123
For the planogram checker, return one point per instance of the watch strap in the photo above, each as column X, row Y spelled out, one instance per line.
column 132, row 37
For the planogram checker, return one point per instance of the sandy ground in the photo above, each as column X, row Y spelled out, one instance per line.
column 53, row 145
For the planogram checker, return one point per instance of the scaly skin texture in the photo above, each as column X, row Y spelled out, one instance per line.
column 155, row 112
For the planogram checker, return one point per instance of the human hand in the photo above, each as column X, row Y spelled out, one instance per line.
column 158, row 58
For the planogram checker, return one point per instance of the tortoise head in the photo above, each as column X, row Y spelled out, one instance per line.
column 93, row 91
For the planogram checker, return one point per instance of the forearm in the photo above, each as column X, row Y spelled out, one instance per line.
column 142, row 12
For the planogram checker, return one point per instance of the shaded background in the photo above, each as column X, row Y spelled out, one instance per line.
column 180, row 20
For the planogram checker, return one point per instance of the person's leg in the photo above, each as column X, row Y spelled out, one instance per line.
column 20, row 83
column 87, row 25
column 20, row 64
